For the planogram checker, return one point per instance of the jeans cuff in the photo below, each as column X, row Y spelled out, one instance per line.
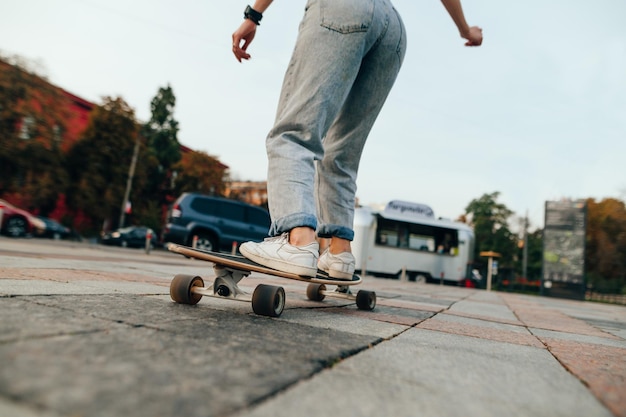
column 285, row 224
column 333, row 230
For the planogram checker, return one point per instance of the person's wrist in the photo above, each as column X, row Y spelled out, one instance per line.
column 465, row 31
column 252, row 15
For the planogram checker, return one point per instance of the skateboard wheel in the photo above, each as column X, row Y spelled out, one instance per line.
column 366, row 300
column 314, row 292
column 268, row 300
column 180, row 289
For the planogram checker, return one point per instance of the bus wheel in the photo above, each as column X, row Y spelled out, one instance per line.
column 420, row 278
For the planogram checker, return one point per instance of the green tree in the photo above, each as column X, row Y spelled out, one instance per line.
column 99, row 163
column 161, row 132
column 535, row 255
column 490, row 222
column 163, row 152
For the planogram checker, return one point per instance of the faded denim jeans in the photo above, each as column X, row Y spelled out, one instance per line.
column 346, row 59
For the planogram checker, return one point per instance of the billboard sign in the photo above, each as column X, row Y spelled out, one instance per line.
column 564, row 249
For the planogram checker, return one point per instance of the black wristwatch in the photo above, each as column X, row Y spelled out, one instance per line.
column 253, row 15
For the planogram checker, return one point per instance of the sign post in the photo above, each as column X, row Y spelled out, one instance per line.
column 490, row 265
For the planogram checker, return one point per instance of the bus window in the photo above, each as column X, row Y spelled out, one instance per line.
column 416, row 236
column 387, row 237
column 421, row 242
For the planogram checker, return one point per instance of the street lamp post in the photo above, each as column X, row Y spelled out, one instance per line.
column 129, row 182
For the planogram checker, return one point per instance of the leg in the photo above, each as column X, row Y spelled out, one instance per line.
column 323, row 68
column 344, row 142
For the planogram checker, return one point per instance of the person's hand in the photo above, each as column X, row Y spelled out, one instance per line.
column 474, row 36
column 244, row 34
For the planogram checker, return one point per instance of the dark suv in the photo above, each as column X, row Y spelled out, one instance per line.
column 218, row 223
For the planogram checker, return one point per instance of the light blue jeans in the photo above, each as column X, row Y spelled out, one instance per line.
column 346, row 59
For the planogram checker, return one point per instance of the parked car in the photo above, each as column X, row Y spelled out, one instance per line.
column 216, row 223
column 54, row 229
column 130, row 237
column 16, row 222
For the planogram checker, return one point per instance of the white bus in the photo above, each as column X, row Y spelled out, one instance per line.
column 407, row 238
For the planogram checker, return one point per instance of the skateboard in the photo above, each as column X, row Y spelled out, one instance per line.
column 267, row 300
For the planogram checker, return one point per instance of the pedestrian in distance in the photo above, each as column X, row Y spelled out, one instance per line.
column 346, row 59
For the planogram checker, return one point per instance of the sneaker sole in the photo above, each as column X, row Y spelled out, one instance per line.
column 344, row 276
column 280, row 265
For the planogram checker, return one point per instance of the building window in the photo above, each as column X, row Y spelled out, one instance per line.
column 57, row 134
column 27, row 128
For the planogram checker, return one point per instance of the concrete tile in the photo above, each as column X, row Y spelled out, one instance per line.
column 610, row 341
column 601, row 368
column 486, row 310
column 436, row 374
column 33, row 287
column 23, row 319
column 406, row 317
column 535, row 315
column 344, row 322
column 199, row 363
column 15, row 409
column 481, row 329
column 408, row 304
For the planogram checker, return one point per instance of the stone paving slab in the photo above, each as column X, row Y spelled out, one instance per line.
column 601, row 368
column 32, row 286
column 531, row 313
column 344, row 321
column 423, row 372
column 114, row 355
column 90, row 331
column 481, row 329
column 489, row 311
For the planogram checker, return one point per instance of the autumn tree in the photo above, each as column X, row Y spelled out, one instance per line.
column 32, row 114
column 605, row 252
column 99, row 163
column 199, row 172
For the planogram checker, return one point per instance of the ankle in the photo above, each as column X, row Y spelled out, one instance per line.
column 339, row 245
column 301, row 236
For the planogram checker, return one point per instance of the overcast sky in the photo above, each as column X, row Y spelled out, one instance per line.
column 537, row 113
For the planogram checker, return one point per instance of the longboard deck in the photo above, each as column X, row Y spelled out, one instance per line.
column 245, row 264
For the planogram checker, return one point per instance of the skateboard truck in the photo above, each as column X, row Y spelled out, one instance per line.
column 226, row 279
column 343, row 289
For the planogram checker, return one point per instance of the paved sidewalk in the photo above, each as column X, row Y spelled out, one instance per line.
column 91, row 331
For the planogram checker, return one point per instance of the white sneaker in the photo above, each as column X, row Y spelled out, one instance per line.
column 340, row 266
column 278, row 253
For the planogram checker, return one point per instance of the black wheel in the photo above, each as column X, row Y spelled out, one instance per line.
column 314, row 292
column 124, row 243
column 207, row 243
column 16, row 227
column 268, row 300
column 420, row 278
column 366, row 300
column 180, row 289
